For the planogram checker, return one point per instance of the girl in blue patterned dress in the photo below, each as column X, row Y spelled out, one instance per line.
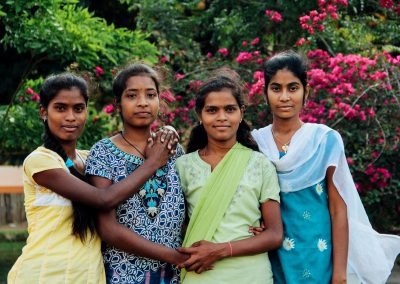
column 142, row 233
column 327, row 234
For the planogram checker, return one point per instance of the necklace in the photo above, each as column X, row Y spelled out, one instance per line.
column 136, row 148
column 285, row 146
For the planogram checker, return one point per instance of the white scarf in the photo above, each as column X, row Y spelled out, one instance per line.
column 314, row 148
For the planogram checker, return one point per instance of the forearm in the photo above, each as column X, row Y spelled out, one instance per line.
column 340, row 240
column 263, row 242
column 111, row 196
column 118, row 236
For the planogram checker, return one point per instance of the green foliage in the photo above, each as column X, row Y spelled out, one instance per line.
column 64, row 31
column 23, row 129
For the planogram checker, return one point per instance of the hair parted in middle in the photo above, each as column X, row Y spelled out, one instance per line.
column 224, row 78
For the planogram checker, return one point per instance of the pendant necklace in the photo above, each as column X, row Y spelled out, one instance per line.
column 136, row 148
column 285, row 146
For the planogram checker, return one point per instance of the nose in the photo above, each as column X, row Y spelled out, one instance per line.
column 70, row 115
column 285, row 95
column 221, row 116
column 142, row 100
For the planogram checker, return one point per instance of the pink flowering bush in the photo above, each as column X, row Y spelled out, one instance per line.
column 356, row 95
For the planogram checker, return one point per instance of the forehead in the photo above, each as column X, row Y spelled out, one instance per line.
column 72, row 96
column 220, row 98
column 140, row 82
column 284, row 76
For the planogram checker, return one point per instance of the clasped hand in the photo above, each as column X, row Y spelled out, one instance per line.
column 203, row 254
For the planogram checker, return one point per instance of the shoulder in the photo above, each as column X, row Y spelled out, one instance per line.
column 260, row 131
column 262, row 160
column 100, row 145
column 43, row 154
column 185, row 158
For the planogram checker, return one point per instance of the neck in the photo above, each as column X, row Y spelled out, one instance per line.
column 136, row 134
column 285, row 126
column 70, row 149
column 219, row 148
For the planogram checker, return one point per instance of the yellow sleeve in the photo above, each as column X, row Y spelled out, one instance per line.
column 39, row 161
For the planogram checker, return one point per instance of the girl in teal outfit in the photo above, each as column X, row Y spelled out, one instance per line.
column 327, row 235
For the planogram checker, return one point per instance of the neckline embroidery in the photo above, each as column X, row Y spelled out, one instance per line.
column 154, row 189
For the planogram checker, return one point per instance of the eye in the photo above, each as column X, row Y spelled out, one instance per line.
column 231, row 108
column 293, row 88
column 152, row 94
column 59, row 107
column 211, row 109
column 80, row 108
column 274, row 88
column 131, row 95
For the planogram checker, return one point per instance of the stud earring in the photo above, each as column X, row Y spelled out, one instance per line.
column 44, row 119
column 200, row 122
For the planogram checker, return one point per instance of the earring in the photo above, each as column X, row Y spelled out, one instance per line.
column 200, row 122
column 44, row 119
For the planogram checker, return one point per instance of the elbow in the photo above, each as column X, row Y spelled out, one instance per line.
column 105, row 201
column 277, row 240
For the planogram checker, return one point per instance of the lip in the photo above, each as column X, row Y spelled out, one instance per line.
column 69, row 128
column 221, row 126
column 142, row 114
column 285, row 107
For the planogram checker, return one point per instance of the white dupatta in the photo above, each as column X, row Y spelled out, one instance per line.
column 314, row 148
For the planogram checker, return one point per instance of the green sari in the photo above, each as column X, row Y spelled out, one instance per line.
column 216, row 196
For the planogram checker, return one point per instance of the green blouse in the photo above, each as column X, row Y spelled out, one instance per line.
column 258, row 185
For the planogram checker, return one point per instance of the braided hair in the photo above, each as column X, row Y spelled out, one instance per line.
column 224, row 79
column 83, row 215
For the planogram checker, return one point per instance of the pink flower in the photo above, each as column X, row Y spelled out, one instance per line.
column 179, row 76
column 164, row 59
column 274, row 16
column 388, row 4
column 167, row 96
column 35, row 97
column 350, row 161
column 109, row 109
column 243, row 57
column 29, row 91
column 223, row 51
column 244, row 43
column 99, row 71
column 255, row 41
column 209, row 54
column 301, row 41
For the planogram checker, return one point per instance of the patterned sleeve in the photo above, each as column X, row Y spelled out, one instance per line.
column 98, row 161
column 270, row 185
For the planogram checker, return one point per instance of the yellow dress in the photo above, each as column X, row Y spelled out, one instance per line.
column 52, row 254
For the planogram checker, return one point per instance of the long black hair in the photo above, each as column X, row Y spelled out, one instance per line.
column 290, row 60
column 224, row 79
column 83, row 215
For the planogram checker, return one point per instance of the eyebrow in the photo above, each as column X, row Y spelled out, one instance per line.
column 291, row 83
column 135, row 89
column 231, row 105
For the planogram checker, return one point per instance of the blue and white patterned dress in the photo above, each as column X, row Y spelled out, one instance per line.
column 156, row 213
column 307, row 246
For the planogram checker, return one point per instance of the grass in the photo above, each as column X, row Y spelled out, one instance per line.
column 9, row 252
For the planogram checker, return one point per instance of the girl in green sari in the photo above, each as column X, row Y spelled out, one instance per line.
column 229, row 186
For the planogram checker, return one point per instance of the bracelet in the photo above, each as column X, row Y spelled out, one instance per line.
column 230, row 246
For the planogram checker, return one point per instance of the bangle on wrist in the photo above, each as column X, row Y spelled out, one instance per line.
column 230, row 249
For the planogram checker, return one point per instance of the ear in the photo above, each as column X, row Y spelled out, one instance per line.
column 117, row 105
column 242, row 111
column 42, row 112
column 199, row 117
column 307, row 92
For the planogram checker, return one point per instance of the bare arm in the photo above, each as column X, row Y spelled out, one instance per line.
column 340, row 230
column 204, row 253
column 68, row 186
column 121, row 237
